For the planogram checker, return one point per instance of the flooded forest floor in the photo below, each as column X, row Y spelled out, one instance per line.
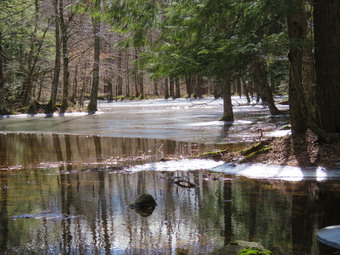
column 303, row 151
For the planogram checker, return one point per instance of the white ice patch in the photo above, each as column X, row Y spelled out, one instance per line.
column 289, row 173
column 177, row 165
column 255, row 171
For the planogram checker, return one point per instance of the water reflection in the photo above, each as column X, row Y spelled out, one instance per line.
column 22, row 151
column 49, row 212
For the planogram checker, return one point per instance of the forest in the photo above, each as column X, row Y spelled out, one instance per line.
column 57, row 54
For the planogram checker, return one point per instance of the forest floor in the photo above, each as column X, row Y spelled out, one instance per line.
column 302, row 151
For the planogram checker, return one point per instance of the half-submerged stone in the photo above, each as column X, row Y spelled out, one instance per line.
column 330, row 236
column 144, row 204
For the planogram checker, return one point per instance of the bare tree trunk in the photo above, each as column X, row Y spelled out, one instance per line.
column 119, row 78
column 178, row 88
column 228, row 114
column 3, row 109
column 171, row 84
column 261, row 79
column 327, row 62
column 57, row 64
column 155, row 88
column 297, row 24
column 166, row 88
column 92, row 107
column 64, row 40
column 75, row 85
column 188, row 83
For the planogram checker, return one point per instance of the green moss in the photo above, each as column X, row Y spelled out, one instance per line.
column 212, row 154
column 253, row 154
column 254, row 148
column 255, row 252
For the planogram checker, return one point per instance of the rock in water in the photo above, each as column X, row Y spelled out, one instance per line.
column 144, row 204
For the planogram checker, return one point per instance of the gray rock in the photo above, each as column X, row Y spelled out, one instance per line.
column 330, row 236
column 144, row 204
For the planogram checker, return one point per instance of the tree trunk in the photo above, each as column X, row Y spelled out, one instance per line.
column 188, row 83
column 119, row 78
column 227, row 105
column 166, row 88
column 3, row 109
column 64, row 40
column 92, row 107
column 155, row 88
column 327, row 62
column 198, row 87
column 75, row 86
column 297, row 23
column 262, row 81
column 57, row 64
column 178, row 88
column 171, row 84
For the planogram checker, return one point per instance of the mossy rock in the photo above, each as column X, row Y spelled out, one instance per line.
column 212, row 154
column 250, row 251
column 240, row 247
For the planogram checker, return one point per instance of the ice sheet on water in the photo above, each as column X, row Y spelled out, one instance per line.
column 177, row 165
column 255, row 171
column 288, row 173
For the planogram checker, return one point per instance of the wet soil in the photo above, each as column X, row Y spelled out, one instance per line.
column 304, row 150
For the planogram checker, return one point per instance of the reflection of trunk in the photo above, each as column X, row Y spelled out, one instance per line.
column 3, row 109
column 262, row 81
column 227, row 105
column 57, row 64
column 188, row 82
column 227, row 193
column 66, row 201
column 98, row 148
column 166, row 88
column 302, row 229
column 3, row 215
column 254, row 191
column 92, row 107
column 104, row 212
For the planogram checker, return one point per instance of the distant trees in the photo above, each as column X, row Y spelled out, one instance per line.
column 171, row 47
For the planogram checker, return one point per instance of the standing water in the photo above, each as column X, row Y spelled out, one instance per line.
column 68, row 192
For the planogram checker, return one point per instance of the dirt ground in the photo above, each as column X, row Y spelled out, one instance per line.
column 300, row 151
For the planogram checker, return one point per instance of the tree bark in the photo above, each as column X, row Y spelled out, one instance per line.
column 177, row 88
column 119, row 78
column 92, row 107
column 327, row 62
column 166, row 88
column 262, row 81
column 57, row 64
column 3, row 109
column 75, row 86
column 64, row 40
column 228, row 114
column 297, row 24
column 188, row 82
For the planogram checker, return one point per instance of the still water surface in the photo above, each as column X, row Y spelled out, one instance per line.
column 64, row 188
column 63, row 194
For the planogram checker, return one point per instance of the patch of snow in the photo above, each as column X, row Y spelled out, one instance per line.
column 288, row 173
column 177, row 165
